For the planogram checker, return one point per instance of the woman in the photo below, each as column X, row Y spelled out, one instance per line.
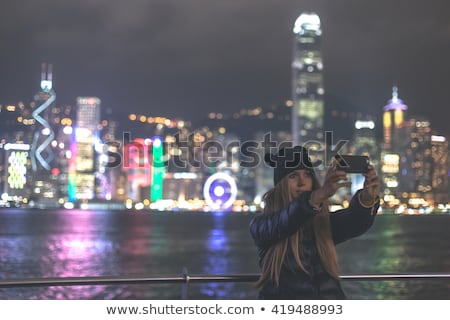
column 296, row 234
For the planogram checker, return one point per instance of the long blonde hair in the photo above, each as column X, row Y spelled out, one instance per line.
column 276, row 199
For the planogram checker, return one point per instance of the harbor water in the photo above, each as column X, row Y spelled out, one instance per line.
column 82, row 243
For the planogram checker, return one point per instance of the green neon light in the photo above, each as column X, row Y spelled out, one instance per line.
column 158, row 170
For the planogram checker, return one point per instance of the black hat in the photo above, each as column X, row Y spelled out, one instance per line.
column 287, row 160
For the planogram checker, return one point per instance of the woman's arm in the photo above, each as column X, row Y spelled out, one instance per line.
column 354, row 220
column 268, row 229
column 359, row 216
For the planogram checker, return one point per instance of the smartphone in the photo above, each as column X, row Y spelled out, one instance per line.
column 352, row 164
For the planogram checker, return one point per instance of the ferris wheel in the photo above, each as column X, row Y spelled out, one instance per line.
column 220, row 191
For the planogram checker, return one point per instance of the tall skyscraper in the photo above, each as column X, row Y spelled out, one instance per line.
column 83, row 162
column 364, row 143
column 42, row 153
column 395, row 142
column 307, row 84
column 420, row 162
column 393, row 122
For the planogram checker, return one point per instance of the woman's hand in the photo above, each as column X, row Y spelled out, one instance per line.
column 371, row 187
column 334, row 179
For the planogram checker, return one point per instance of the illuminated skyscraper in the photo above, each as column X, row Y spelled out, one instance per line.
column 41, row 151
column 83, row 162
column 364, row 143
column 137, row 166
column 88, row 113
column 440, row 179
column 393, row 122
column 42, row 156
column 15, row 162
column 307, row 83
column 417, row 159
column 395, row 143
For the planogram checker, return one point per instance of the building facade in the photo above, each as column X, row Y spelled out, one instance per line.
column 395, row 144
column 307, row 85
column 83, row 164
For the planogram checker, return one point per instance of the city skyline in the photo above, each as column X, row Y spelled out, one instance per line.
column 174, row 58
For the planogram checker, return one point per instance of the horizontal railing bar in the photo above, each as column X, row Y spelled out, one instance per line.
column 117, row 280
column 381, row 277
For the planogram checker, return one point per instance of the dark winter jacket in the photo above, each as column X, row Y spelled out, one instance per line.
column 294, row 283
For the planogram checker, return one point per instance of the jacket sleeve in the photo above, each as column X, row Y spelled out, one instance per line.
column 352, row 221
column 268, row 229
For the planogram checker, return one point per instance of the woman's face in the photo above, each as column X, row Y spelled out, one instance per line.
column 299, row 181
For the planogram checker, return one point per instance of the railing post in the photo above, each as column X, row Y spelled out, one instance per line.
column 185, row 284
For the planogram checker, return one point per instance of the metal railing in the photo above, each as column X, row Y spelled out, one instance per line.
column 185, row 279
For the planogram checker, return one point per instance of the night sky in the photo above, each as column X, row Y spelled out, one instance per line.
column 186, row 58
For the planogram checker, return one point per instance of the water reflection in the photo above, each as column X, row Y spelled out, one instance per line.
column 38, row 243
column 218, row 258
column 81, row 250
